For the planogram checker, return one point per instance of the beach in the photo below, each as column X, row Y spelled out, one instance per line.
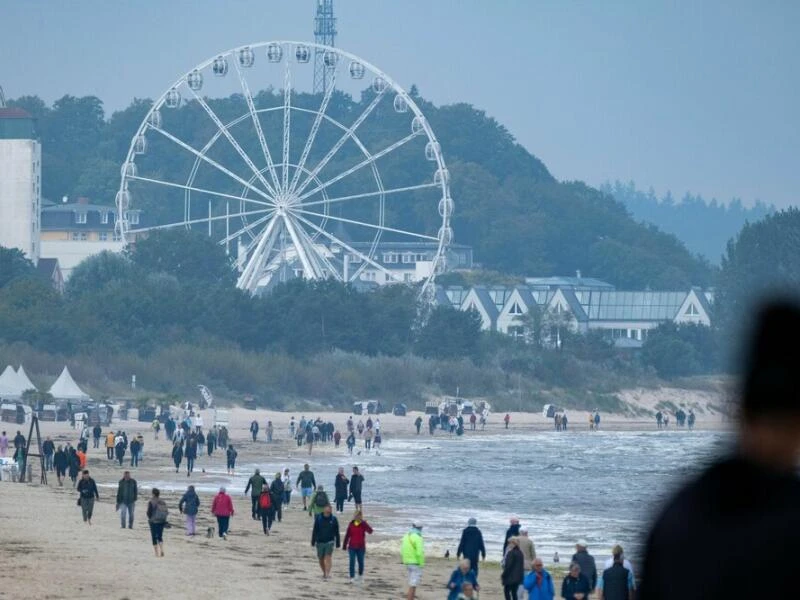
column 50, row 553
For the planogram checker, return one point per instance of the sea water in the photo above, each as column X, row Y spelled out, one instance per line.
column 599, row 486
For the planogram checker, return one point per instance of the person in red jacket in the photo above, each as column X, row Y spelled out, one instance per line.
column 356, row 539
column 222, row 508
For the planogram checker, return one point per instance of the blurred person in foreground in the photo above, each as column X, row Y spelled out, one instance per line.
column 743, row 512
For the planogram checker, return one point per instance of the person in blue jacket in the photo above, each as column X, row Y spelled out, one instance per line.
column 464, row 573
column 538, row 583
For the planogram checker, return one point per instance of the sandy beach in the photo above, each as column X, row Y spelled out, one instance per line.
column 48, row 552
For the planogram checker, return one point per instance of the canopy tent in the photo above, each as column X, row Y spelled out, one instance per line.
column 24, row 380
column 65, row 388
column 10, row 385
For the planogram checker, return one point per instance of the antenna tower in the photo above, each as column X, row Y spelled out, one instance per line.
column 325, row 34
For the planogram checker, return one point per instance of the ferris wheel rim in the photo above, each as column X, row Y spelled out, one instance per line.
column 223, row 129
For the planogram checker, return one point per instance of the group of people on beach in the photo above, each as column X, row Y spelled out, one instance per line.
column 681, row 419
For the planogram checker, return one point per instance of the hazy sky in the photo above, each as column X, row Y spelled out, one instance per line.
column 681, row 95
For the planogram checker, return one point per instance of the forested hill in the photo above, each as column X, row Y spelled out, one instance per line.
column 518, row 218
column 705, row 227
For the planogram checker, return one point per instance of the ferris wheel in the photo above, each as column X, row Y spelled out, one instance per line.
column 348, row 184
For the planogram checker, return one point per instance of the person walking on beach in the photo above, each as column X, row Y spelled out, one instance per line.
column 119, row 449
column 189, row 506
column 264, row 510
column 276, row 494
column 575, row 585
column 351, row 442
column 356, row 488
column 586, row 563
column 471, row 545
column 222, row 509
column 230, row 455
column 191, row 454
column 507, row 419
column 596, row 421
column 287, row 487
column 73, row 466
column 3, row 444
column 617, row 582
column 270, row 431
column 464, row 573
column 539, row 583
column 60, row 463
column 340, row 487
column 512, row 531
column 528, row 550
column 323, row 536
column 136, row 446
column 157, row 514
column 412, row 552
column 355, row 543
column 319, row 500
column 513, row 569
column 177, row 455
column 48, row 449
column 127, row 494
column 418, row 424
column 255, row 484
column 307, row 484
column 254, row 429
column 110, row 443
column 96, row 433
column 87, row 494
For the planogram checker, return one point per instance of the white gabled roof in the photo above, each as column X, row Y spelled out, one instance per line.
column 65, row 388
column 10, row 384
column 24, row 380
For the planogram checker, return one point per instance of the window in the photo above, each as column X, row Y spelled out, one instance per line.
column 80, row 218
column 516, row 331
column 408, row 258
column 692, row 310
column 558, row 308
column 84, row 236
column 116, row 237
column 515, row 309
column 104, row 217
column 133, row 217
column 298, row 272
column 389, row 257
column 75, row 236
column 355, row 258
column 103, row 236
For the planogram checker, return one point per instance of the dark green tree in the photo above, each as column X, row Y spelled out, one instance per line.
column 13, row 264
column 450, row 333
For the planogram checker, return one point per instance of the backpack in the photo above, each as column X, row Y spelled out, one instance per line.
column 321, row 499
column 264, row 500
column 160, row 513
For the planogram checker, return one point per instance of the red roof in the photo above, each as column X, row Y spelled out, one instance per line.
column 12, row 112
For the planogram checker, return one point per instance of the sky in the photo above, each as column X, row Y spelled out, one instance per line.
column 677, row 95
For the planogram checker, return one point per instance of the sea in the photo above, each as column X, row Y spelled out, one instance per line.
column 601, row 486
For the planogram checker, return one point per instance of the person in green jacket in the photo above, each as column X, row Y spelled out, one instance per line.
column 413, row 555
column 255, row 484
column 319, row 499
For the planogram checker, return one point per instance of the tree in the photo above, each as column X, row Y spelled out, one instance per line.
column 763, row 259
column 450, row 333
column 188, row 255
column 680, row 350
column 13, row 264
column 94, row 272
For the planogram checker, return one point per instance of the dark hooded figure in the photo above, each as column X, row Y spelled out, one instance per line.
column 746, row 505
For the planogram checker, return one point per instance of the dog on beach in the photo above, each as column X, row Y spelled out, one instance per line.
column 210, row 532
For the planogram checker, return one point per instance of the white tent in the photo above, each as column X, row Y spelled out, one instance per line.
column 10, row 386
column 65, row 388
column 24, row 380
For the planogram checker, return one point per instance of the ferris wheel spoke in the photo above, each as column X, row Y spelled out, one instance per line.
column 250, row 271
column 301, row 249
column 370, row 225
column 287, row 125
column 326, row 264
column 410, row 188
column 341, row 141
column 349, row 248
column 197, row 189
column 257, row 124
column 211, row 162
column 361, row 165
column 247, row 227
column 195, row 221
column 313, row 134
column 236, row 146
